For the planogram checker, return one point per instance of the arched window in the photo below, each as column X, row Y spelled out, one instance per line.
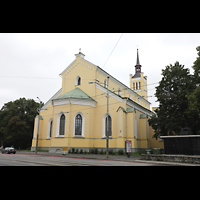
column 62, row 125
column 78, row 80
column 139, row 86
column 78, row 125
column 136, row 86
column 108, row 126
column 133, row 86
column 49, row 129
column 79, row 121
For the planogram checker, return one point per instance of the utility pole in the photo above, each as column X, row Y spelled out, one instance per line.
column 107, row 122
column 107, row 131
column 38, row 127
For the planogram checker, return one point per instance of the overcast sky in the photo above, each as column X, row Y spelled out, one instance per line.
column 30, row 63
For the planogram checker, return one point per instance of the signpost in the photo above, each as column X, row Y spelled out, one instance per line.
column 128, row 146
column 64, row 150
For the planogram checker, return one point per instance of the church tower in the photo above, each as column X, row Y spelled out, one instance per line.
column 138, row 82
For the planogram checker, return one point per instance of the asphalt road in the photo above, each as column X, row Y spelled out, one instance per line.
column 41, row 160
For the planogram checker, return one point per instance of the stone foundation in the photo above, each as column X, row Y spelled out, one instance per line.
column 172, row 158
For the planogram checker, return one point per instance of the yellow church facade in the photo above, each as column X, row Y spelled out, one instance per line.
column 76, row 116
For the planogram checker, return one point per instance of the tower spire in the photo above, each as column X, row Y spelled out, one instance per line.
column 137, row 66
column 138, row 61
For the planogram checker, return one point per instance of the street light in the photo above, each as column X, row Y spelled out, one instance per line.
column 38, row 126
column 107, row 129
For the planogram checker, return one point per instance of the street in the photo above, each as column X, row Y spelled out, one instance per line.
column 46, row 160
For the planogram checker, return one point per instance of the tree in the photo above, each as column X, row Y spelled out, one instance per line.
column 196, row 68
column 17, row 122
column 171, row 114
column 193, row 97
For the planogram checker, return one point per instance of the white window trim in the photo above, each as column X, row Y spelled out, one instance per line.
column 48, row 128
column 58, row 125
column 104, row 127
column 83, row 125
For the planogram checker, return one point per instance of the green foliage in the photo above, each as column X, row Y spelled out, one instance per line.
column 76, row 151
column 196, row 68
column 120, row 152
column 96, row 151
column 92, row 150
column 17, row 122
column 73, row 150
column 172, row 113
column 111, row 152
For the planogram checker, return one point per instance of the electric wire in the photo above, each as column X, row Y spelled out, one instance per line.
column 112, row 50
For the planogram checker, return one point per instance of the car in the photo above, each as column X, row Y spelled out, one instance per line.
column 9, row 150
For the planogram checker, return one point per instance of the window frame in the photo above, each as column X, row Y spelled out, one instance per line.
column 63, row 125
column 104, row 126
column 58, row 125
column 83, row 126
column 50, row 128
column 78, row 81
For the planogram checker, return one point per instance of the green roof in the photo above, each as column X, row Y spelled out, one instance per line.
column 142, row 116
column 129, row 110
column 77, row 93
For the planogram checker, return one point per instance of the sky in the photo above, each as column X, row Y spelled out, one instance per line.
column 30, row 63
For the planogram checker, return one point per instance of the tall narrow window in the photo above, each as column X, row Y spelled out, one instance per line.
column 108, row 126
column 136, row 86
column 49, row 128
column 78, row 125
column 78, row 80
column 50, row 131
column 133, row 86
column 62, row 125
column 139, row 86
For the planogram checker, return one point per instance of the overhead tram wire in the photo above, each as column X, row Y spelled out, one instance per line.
column 111, row 52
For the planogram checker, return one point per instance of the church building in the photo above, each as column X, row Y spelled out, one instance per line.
column 76, row 115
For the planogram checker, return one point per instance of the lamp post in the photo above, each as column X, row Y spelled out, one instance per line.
column 38, row 127
column 107, row 134
column 107, row 122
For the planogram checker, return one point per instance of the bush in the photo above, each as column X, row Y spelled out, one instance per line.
column 73, row 150
column 96, row 151
column 111, row 152
column 120, row 152
column 101, row 152
column 81, row 151
column 76, row 151
column 91, row 151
